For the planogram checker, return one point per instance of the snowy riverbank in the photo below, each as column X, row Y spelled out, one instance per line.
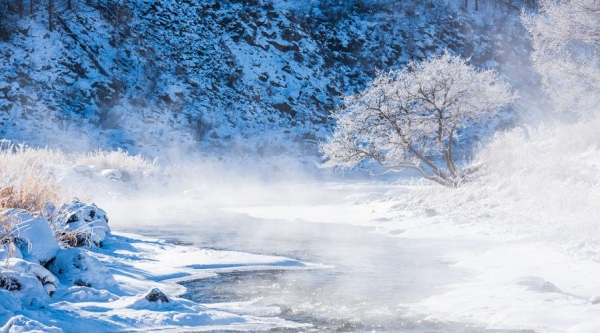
column 521, row 246
column 118, row 295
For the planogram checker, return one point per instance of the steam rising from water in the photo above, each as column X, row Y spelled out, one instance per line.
column 366, row 278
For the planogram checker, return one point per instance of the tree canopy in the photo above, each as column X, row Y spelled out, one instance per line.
column 566, row 42
column 406, row 119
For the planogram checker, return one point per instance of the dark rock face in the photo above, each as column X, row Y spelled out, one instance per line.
column 156, row 295
column 218, row 70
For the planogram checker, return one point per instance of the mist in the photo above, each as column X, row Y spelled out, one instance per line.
column 200, row 140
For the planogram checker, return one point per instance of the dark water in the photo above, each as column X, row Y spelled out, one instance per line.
column 369, row 277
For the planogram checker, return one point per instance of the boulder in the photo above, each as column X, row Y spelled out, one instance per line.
column 156, row 295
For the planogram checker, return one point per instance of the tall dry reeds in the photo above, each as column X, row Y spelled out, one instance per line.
column 27, row 179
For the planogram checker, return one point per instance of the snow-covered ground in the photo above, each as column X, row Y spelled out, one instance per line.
column 513, row 277
column 516, row 281
column 120, row 277
column 520, row 241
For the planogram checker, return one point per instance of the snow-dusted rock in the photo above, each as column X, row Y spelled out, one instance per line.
column 82, row 224
column 549, row 287
column 156, row 295
column 76, row 267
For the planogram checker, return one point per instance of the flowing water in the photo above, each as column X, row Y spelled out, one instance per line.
column 365, row 286
column 368, row 277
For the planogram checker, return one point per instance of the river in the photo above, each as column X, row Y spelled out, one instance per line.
column 365, row 285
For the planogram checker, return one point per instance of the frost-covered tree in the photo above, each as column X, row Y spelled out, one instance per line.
column 408, row 119
column 566, row 42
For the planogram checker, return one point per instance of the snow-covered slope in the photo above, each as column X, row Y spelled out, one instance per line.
column 253, row 76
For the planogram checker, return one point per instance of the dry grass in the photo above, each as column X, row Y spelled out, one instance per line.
column 29, row 191
column 7, row 233
column 27, row 179
column 119, row 160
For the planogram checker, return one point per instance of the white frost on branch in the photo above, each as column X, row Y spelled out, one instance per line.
column 403, row 118
column 566, row 40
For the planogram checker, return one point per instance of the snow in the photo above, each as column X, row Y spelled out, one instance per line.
column 40, row 245
column 513, row 280
column 524, row 236
column 527, row 255
column 105, row 288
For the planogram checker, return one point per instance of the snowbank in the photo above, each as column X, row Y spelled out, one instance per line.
column 112, row 282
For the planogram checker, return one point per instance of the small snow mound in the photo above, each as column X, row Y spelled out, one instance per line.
column 85, row 294
column 533, row 283
column 271, row 302
column 595, row 299
column 196, row 193
column 21, row 324
column 37, row 238
column 156, row 295
column 76, row 267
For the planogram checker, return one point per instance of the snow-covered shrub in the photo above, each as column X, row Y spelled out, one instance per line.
column 29, row 190
column 79, row 224
column 76, row 267
column 34, row 239
column 542, row 181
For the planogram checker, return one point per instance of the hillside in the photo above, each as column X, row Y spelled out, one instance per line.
column 252, row 76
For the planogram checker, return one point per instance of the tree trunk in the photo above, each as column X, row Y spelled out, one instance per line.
column 452, row 167
column 21, row 8
column 436, row 170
